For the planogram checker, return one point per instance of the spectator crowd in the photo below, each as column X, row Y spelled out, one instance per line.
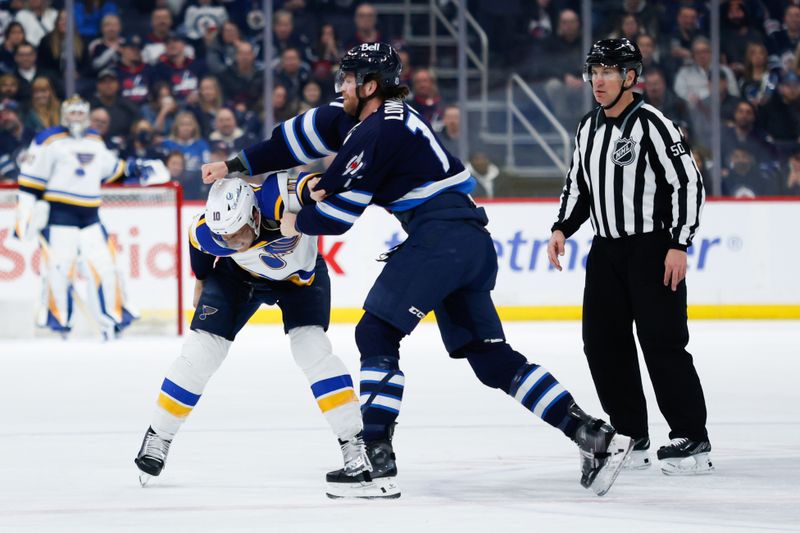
column 183, row 80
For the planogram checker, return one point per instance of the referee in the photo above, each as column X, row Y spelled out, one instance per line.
column 634, row 177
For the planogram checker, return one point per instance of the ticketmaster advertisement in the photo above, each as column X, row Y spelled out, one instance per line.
column 744, row 261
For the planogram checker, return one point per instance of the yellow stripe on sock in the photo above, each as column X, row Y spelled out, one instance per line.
column 336, row 400
column 173, row 407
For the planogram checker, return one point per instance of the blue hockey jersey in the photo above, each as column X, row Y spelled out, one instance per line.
column 391, row 159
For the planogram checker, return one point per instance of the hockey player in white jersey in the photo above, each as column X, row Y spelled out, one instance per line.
column 241, row 260
column 58, row 203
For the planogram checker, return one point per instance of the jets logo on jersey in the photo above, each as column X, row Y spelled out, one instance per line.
column 84, row 159
column 624, row 152
column 207, row 311
column 354, row 165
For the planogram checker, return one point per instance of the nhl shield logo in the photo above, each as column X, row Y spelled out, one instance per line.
column 624, row 152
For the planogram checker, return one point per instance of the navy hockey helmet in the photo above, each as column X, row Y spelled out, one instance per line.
column 620, row 53
column 378, row 59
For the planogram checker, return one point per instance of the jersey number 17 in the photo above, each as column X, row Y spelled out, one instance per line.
column 415, row 124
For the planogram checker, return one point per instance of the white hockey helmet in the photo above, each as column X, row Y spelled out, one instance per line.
column 75, row 115
column 231, row 204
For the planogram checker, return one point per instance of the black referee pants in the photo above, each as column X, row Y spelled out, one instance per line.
column 624, row 284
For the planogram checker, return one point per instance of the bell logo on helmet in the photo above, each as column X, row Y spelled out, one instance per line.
column 229, row 196
column 367, row 47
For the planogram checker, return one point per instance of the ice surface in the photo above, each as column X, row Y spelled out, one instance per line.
column 252, row 456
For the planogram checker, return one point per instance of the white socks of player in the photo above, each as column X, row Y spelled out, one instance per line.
column 201, row 356
column 330, row 381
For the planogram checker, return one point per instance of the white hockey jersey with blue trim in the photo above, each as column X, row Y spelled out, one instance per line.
column 69, row 170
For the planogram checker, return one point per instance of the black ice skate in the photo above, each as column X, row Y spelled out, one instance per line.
column 603, row 451
column 380, row 482
column 639, row 459
column 685, row 457
column 152, row 456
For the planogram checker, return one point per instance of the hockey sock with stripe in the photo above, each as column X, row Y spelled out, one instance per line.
column 201, row 356
column 541, row 393
column 381, row 394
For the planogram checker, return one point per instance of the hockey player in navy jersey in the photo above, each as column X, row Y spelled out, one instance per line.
column 240, row 261
column 387, row 155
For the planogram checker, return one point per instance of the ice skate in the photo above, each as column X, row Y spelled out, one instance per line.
column 379, row 482
column 639, row 459
column 354, row 453
column 603, row 452
column 685, row 457
column 152, row 456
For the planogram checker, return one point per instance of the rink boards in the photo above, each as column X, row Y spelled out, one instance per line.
column 742, row 265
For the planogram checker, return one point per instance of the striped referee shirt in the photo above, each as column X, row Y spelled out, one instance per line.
column 632, row 174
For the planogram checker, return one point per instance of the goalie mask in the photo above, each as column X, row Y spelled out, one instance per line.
column 232, row 204
column 75, row 115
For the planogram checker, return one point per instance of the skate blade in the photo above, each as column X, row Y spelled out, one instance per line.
column 144, row 478
column 381, row 488
column 619, row 448
column 637, row 460
column 696, row 465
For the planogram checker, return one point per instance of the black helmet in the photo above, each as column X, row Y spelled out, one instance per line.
column 621, row 53
column 379, row 59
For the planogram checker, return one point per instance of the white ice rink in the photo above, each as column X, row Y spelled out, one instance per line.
column 253, row 454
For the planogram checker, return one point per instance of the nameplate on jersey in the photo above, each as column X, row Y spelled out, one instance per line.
column 624, row 152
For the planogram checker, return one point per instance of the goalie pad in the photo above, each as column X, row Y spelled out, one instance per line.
column 31, row 216
column 59, row 247
column 107, row 297
column 330, row 381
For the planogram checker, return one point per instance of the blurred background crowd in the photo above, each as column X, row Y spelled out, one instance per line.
column 183, row 80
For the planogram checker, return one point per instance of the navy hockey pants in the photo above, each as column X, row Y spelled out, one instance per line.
column 448, row 267
column 231, row 296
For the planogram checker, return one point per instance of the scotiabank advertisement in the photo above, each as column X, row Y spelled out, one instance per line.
column 746, row 253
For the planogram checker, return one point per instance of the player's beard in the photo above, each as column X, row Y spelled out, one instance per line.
column 350, row 105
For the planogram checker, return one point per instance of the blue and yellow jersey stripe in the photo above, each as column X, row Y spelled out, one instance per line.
column 54, row 137
column 64, row 197
column 32, row 182
column 118, row 172
column 50, row 134
column 269, row 200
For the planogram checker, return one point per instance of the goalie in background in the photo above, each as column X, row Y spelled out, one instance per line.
column 58, row 202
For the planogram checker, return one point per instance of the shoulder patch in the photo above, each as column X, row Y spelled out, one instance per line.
column 677, row 149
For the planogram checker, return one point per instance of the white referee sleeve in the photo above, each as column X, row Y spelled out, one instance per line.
column 681, row 172
column 574, row 207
